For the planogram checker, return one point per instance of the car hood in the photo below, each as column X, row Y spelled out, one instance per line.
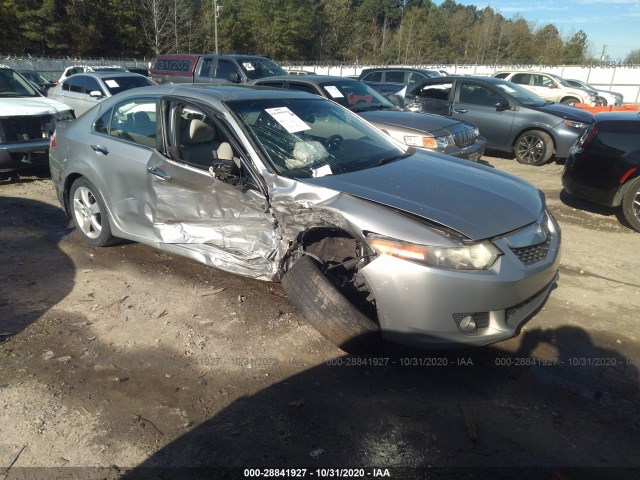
column 567, row 112
column 31, row 106
column 472, row 199
column 416, row 121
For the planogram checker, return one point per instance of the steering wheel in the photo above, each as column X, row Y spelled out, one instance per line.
column 333, row 142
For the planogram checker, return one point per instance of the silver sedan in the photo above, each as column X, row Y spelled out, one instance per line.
column 368, row 237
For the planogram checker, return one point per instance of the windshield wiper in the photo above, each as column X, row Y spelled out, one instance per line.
column 394, row 158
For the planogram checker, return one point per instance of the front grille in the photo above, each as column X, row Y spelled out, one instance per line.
column 464, row 136
column 533, row 253
column 23, row 129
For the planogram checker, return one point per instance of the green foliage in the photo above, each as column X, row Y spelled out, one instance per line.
column 365, row 31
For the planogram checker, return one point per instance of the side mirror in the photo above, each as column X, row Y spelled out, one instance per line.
column 500, row 106
column 396, row 100
column 226, row 171
column 553, row 85
column 235, row 78
column 96, row 94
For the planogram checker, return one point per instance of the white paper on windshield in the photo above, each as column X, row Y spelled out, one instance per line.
column 333, row 91
column 248, row 66
column 111, row 83
column 322, row 171
column 289, row 120
column 507, row 88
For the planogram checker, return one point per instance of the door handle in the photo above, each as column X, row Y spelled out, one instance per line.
column 100, row 149
column 460, row 110
column 158, row 173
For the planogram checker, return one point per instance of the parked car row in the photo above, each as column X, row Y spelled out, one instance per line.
column 511, row 118
column 432, row 132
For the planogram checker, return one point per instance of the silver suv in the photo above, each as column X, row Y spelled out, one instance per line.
column 551, row 87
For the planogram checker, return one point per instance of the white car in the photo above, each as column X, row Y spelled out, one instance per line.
column 27, row 121
column 89, row 69
column 609, row 98
column 84, row 90
column 551, row 87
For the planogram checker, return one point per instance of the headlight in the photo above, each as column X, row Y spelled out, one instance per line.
column 479, row 256
column 572, row 124
column 429, row 141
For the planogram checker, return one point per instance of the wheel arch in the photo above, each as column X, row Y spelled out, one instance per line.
column 624, row 188
column 66, row 192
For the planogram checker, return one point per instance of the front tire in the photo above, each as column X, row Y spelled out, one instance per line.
column 90, row 214
column 631, row 205
column 326, row 309
column 534, row 147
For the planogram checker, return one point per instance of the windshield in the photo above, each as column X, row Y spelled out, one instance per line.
column 120, row 84
column 12, row 84
column 522, row 95
column 356, row 96
column 304, row 138
column 259, row 67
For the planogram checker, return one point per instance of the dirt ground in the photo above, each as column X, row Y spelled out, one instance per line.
column 126, row 360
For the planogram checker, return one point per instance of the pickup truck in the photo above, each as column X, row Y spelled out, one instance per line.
column 207, row 68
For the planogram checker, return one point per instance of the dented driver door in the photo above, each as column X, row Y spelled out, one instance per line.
column 223, row 223
column 195, row 214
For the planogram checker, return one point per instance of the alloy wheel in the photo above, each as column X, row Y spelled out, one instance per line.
column 87, row 212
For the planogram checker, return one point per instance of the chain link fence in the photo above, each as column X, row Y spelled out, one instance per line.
column 52, row 67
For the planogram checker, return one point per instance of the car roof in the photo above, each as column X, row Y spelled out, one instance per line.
column 451, row 78
column 222, row 92
column 618, row 116
column 309, row 78
column 405, row 69
column 113, row 74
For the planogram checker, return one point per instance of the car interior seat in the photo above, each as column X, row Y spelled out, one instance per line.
column 199, row 146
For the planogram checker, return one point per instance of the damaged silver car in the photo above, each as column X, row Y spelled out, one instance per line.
column 369, row 238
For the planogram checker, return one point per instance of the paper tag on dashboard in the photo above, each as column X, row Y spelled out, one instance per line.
column 322, row 171
column 289, row 120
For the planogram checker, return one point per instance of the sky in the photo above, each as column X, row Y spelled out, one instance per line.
column 614, row 23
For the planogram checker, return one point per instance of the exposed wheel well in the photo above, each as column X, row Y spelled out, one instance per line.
column 341, row 255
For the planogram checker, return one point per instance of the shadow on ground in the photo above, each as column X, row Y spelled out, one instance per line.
column 33, row 266
column 573, row 416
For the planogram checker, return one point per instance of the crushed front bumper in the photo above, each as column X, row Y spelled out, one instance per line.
column 430, row 307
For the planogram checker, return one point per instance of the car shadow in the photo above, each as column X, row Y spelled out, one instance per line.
column 36, row 274
column 28, row 175
column 580, row 204
column 482, row 413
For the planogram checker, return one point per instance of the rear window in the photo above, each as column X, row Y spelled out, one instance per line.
column 120, row 84
column 180, row 65
column 259, row 67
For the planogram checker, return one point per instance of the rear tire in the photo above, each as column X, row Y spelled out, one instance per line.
column 570, row 101
column 326, row 309
column 631, row 205
column 534, row 147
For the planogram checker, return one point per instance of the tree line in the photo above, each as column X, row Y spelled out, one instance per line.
column 364, row 31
